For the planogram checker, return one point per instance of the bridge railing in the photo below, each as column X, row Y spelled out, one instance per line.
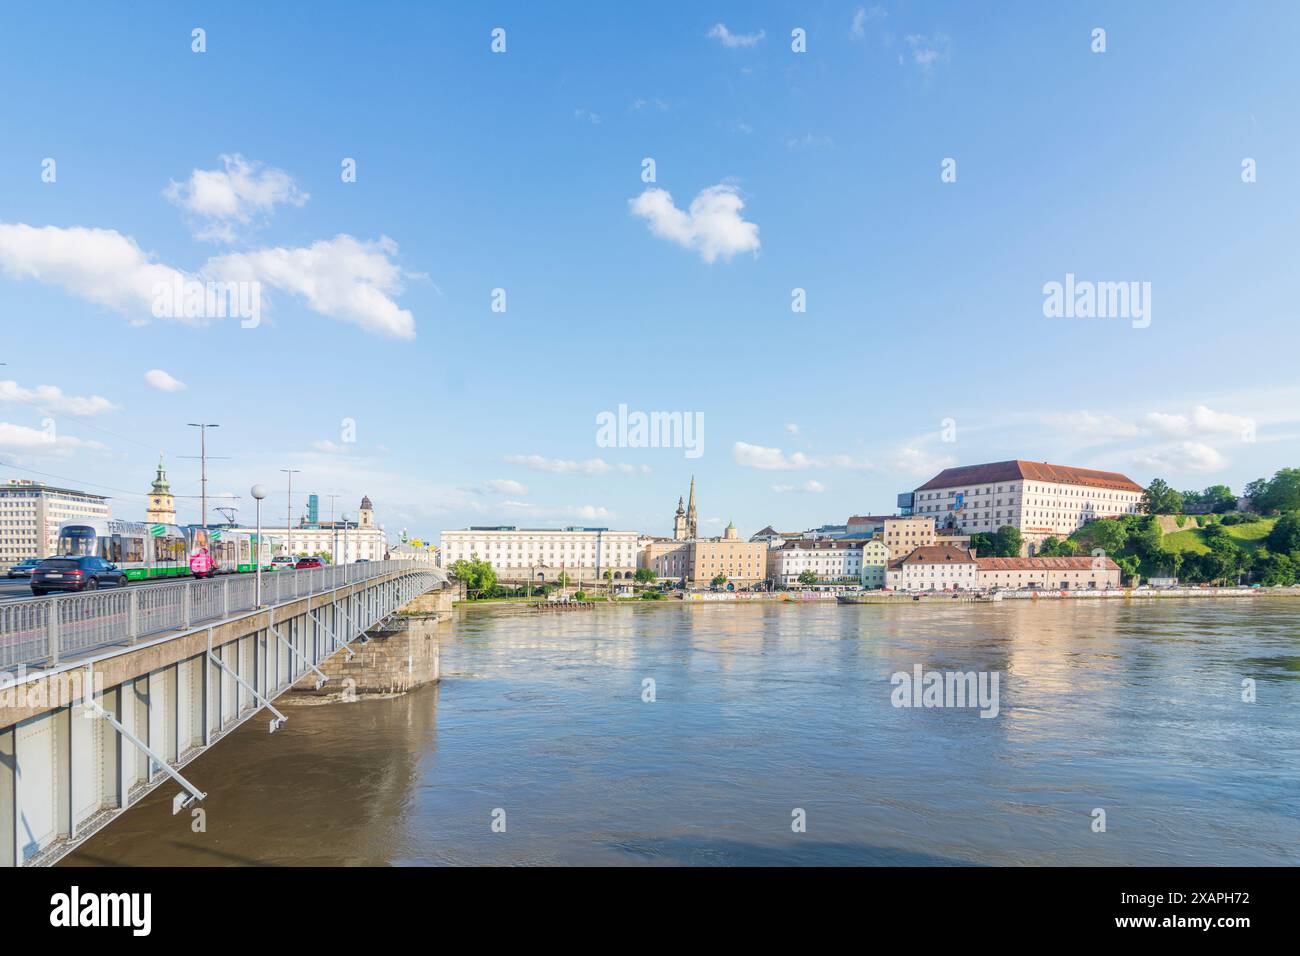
column 44, row 630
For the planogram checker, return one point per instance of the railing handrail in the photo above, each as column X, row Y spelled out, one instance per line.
column 43, row 629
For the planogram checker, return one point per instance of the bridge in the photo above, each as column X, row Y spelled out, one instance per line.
column 106, row 696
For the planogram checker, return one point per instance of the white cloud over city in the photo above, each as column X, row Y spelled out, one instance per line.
column 712, row 226
column 221, row 201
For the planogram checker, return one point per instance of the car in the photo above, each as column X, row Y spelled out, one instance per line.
column 75, row 574
column 23, row 569
column 284, row 562
column 362, row 561
column 305, row 563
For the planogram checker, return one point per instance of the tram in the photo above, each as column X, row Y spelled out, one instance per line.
column 146, row 551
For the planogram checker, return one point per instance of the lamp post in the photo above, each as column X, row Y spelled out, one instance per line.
column 290, row 472
column 258, row 492
column 203, row 467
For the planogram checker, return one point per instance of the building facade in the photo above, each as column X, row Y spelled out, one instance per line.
column 1036, row 498
column 934, row 568
column 30, row 515
column 834, row 561
column 874, row 562
column 904, row 535
column 541, row 554
column 344, row 542
column 742, row 563
column 1065, row 574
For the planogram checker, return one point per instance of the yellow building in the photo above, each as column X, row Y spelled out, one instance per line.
column 905, row 535
column 162, row 505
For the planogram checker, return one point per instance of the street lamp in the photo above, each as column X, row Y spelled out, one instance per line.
column 290, row 472
column 258, row 492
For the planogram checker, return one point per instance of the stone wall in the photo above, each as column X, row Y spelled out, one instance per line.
column 399, row 657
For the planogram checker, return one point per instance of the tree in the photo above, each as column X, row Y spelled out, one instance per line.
column 982, row 544
column 1254, row 493
column 1274, row 570
column 564, row 579
column 644, row 576
column 479, row 576
column 1161, row 499
column 1008, row 542
column 718, row 580
column 1219, row 499
column 1282, row 493
column 1285, row 536
column 808, row 577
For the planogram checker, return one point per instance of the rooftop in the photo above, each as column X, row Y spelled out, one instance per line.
column 1018, row 470
column 1045, row 564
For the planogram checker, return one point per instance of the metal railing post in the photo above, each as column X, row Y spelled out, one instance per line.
column 53, row 622
column 225, row 597
column 133, row 616
column 185, row 605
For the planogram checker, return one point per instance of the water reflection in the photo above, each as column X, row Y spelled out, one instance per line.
column 1135, row 708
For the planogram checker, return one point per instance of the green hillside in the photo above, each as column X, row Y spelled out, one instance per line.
column 1248, row 537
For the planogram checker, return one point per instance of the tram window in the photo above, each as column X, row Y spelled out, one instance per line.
column 77, row 541
column 134, row 550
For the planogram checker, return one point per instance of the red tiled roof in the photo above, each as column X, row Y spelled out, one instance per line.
column 1029, row 470
column 1044, row 564
column 938, row 554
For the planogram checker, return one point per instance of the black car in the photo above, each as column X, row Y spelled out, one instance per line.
column 76, row 574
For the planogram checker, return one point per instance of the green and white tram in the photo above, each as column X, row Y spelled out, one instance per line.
column 160, row 550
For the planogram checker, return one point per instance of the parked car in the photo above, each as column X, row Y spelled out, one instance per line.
column 284, row 562
column 304, row 563
column 76, row 574
column 23, row 569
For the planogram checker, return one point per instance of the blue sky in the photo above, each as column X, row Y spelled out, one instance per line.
column 518, row 171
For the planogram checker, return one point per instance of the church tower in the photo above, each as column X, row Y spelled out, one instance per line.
column 366, row 516
column 162, row 506
column 679, row 522
column 692, row 525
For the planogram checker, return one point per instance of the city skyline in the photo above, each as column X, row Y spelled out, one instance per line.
column 925, row 299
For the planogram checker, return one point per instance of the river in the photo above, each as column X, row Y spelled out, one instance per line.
column 540, row 745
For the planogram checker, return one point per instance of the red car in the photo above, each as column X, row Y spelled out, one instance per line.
column 309, row 563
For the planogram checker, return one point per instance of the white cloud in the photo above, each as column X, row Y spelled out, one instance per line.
column 1202, row 421
column 588, row 115
column 1186, row 456
column 768, row 459
column 1086, row 425
column 731, row 40
column 812, row 487
column 35, row 441
column 50, row 398
column 345, row 278
column 98, row 265
column 561, row 466
column 914, row 461
column 329, row 447
column 712, row 226
column 927, row 51
column 862, row 17
column 160, row 380
column 223, row 199
column 505, row 486
column 580, row 512
column 809, row 141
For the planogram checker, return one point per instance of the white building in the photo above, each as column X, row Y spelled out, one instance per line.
column 1065, row 574
column 30, row 515
column 540, row 554
column 1036, row 498
column 833, row 561
column 939, row 567
column 424, row 553
column 344, row 542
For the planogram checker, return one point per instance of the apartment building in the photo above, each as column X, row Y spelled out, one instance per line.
column 904, row 535
column 833, row 560
column 30, row 515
